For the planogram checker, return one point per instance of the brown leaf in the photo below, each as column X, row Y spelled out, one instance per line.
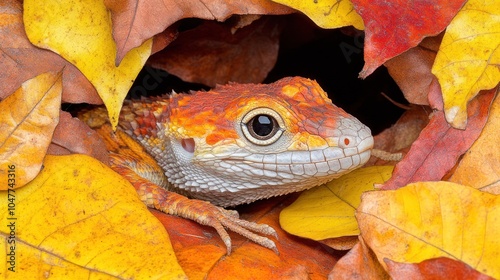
column 437, row 268
column 399, row 137
column 212, row 54
column 412, row 70
column 21, row 60
column 29, row 117
column 136, row 21
column 72, row 136
column 439, row 146
column 359, row 263
column 247, row 260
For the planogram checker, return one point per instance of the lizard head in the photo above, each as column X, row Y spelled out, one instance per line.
column 242, row 142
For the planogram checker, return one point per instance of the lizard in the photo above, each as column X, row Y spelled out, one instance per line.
column 193, row 154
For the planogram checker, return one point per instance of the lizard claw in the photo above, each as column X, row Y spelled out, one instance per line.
column 220, row 219
column 205, row 213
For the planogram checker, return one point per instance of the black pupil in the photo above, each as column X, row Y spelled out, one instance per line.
column 263, row 125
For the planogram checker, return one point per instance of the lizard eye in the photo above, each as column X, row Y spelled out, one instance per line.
column 262, row 126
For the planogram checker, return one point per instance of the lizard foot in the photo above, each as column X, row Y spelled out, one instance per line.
column 207, row 214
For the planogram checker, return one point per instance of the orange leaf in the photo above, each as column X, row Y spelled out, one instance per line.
column 136, row 21
column 247, row 260
column 393, row 27
column 439, row 146
column 359, row 263
column 480, row 165
column 427, row 220
column 29, row 117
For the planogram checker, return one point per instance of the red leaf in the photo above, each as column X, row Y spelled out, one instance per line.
column 438, row 268
column 392, row 27
column 439, row 146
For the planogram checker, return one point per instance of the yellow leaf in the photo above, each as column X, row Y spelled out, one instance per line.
column 80, row 220
column 469, row 57
column 430, row 220
column 327, row 13
column 27, row 121
column 80, row 31
column 328, row 211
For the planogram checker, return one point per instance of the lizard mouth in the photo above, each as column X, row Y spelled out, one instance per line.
column 291, row 165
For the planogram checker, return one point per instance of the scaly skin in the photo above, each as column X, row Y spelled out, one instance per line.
column 203, row 144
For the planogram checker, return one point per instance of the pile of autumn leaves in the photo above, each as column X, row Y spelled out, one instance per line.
column 439, row 207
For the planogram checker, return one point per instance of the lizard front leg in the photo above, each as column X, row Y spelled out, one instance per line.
column 136, row 165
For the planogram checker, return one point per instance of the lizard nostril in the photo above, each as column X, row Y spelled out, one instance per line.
column 188, row 144
column 346, row 141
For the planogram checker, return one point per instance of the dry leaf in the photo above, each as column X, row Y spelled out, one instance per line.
column 80, row 220
column 359, row 263
column 411, row 70
column 327, row 211
column 80, row 31
column 72, row 136
column 341, row 243
column 136, row 21
column 211, row 54
column 28, row 119
column 400, row 136
column 21, row 60
column 431, row 156
column 468, row 58
column 480, row 166
column 439, row 268
column 433, row 219
column 201, row 252
column 329, row 13
column 393, row 27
